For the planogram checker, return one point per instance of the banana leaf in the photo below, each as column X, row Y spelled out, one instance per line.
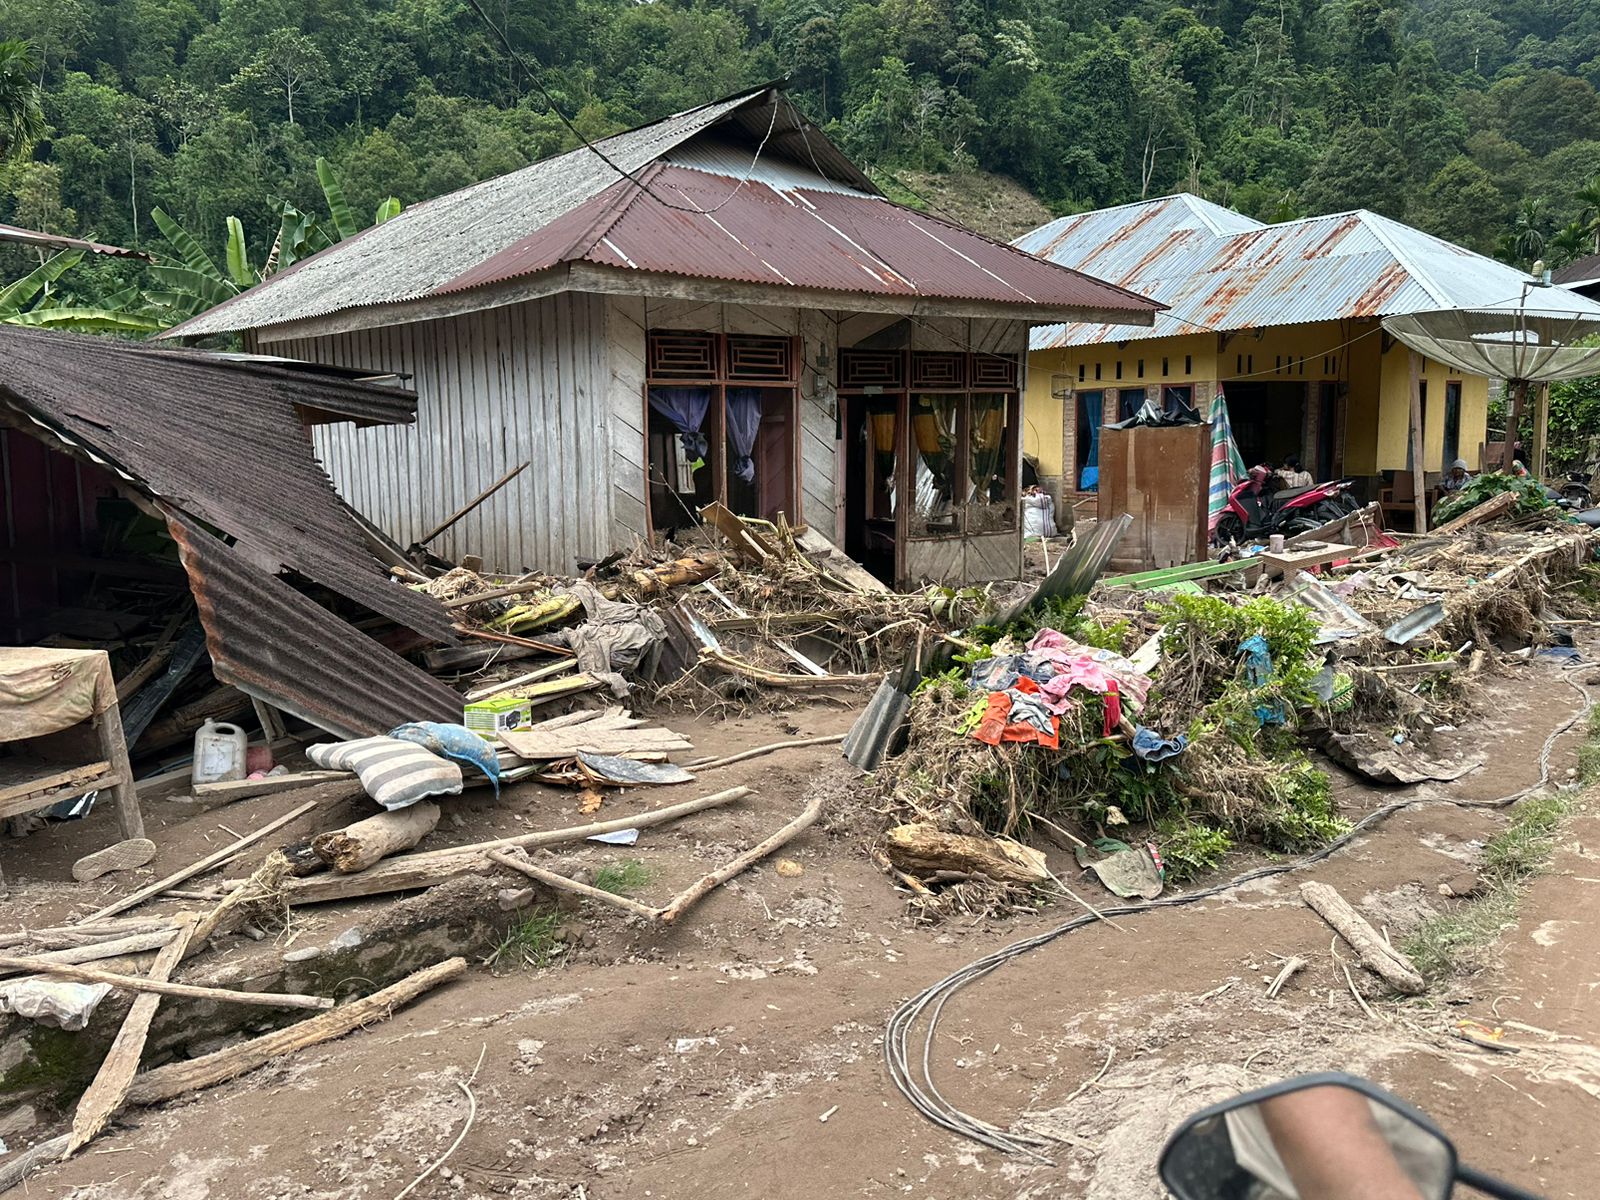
column 85, row 320
column 194, row 255
column 387, row 211
column 344, row 220
column 14, row 295
column 208, row 289
column 238, row 254
column 536, row 615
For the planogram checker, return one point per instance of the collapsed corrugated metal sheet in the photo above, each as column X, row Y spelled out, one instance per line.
column 271, row 642
column 829, row 240
column 54, row 241
column 798, row 213
column 1217, row 270
column 219, row 442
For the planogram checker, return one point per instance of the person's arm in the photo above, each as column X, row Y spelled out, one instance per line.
column 1332, row 1147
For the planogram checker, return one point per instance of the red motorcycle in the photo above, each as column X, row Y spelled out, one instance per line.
column 1254, row 513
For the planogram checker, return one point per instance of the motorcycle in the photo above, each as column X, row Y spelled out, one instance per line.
column 1575, row 491
column 1252, row 514
column 1315, row 1137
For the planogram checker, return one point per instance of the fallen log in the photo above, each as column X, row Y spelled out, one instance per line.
column 413, row 871
column 1376, row 955
column 175, row 1079
column 356, row 847
column 731, row 664
column 708, row 883
column 728, row 760
column 1492, row 507
column 213, row 859
column 920, row 849
column 111, row 1083
column 138, row 983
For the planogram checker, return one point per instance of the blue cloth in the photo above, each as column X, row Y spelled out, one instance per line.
column 1152, row 747
column 686, row 408
column 1258, row 671
column 744, row 421
column 455, row 742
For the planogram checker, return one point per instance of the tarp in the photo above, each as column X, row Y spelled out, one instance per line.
column 43, row 689
column 1227, row 464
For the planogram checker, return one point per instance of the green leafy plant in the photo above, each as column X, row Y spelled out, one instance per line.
column 1189, row 848
column 1530, row 495
column 533, row 942
column 34, row 300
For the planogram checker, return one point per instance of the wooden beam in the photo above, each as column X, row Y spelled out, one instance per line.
column 472, row 504
column 1419, row 473
column 1541, row 430
column 244, row 789
column 139, row 983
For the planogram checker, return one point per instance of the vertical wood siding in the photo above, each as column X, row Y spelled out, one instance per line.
column 522, row 383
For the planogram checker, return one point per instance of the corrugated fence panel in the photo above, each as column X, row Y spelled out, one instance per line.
column 495, row 389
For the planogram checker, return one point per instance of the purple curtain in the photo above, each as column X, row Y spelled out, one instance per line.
column 744, row 421
column 686, row 408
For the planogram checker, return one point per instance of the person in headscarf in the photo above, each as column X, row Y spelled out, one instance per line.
column 1455, row 478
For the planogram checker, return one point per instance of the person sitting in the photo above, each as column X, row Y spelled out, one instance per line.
column 1293, row 475
column 1455, row 478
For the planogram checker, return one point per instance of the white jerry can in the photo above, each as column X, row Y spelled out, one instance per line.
column 218, row 753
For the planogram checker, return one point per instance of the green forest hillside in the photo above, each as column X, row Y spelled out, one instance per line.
column 1476, row 120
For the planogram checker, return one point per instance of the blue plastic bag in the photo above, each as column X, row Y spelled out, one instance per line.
column 455, row 742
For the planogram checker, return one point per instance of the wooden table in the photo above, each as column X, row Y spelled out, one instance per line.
column 1307, row 554
column 43, row 691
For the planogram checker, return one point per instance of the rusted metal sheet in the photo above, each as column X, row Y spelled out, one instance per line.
column 221, row 443
column 273, row 643
column 830, row 240
column 1219, row 270
column 53, row 241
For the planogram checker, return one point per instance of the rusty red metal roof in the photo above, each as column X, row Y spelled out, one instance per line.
column 830, row 240
column 271, row 642
column 219, row 441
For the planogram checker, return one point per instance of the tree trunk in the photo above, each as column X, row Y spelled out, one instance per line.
column 356, row 847
column 923, row 850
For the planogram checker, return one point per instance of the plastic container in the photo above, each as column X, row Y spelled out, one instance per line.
column 219, row 753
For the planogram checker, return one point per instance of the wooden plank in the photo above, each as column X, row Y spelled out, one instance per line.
column 1304, row 556
column 1419, row 474
column 30, row 776
column 244, row 789
column 1492, row 507
column 37, row 800
column 106, row 1094
column 601, row 735
column 139, row 983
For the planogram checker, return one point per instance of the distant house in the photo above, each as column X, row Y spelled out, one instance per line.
column 1284, row 319
column 718, row 306
column 1581, row 275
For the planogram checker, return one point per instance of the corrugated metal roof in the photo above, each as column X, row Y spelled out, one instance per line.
column 342, row 393
column 1217, row 270
column 1583, row 270
column 271, row 642
column 829, row 240
column 54, row 241
column 219, row 441
column 431, row 243
column 762, row 224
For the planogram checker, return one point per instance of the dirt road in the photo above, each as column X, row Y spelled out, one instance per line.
column 741, row 1054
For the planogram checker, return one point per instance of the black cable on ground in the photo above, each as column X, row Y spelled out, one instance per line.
column 918, row 1085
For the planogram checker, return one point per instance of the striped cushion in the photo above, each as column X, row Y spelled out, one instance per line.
column 395, row 773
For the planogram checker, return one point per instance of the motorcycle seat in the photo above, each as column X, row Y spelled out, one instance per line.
column 1291, row 493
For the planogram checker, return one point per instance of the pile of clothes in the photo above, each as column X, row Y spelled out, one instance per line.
column 1029, row 691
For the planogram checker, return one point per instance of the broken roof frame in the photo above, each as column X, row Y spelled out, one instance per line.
column 212, row 444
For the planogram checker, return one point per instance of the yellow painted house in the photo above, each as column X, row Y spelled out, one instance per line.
column 1284, row 319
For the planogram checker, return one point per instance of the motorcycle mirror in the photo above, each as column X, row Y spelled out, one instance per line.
column 1317, row 1135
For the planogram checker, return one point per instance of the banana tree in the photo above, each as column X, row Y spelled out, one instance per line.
column 34, row 301
column 300, row 234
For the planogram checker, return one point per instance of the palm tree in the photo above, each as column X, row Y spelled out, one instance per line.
column 1570, row 242
column 21, row 118
column 1589, row 210
column 1527, row 234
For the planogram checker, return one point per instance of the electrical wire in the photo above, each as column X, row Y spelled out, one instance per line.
column 902, row 1029
column 533, row 77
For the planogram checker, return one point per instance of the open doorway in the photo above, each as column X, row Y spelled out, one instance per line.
column 1268, row 420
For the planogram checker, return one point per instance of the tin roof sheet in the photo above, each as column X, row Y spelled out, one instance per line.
column 1217, row 270
column 757, row 232
column 271, row 642
column 56, row 241
column 799, row 214
column 220, row 441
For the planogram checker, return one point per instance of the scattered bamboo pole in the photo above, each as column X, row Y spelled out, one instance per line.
column 175, row 1079
column 138, row 983
column 709, row 883
column 1290, row 966
column 205, row 864
column 563, row 884
column 111, row 1083
column 733, row 665
column 61, row 937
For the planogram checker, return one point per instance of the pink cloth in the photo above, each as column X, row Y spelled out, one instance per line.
column 1088, row 667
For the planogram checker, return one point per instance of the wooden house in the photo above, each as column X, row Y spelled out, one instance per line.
column 717, row 306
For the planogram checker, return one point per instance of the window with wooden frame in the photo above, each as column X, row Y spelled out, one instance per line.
column 962, row 413
column 720, row 414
